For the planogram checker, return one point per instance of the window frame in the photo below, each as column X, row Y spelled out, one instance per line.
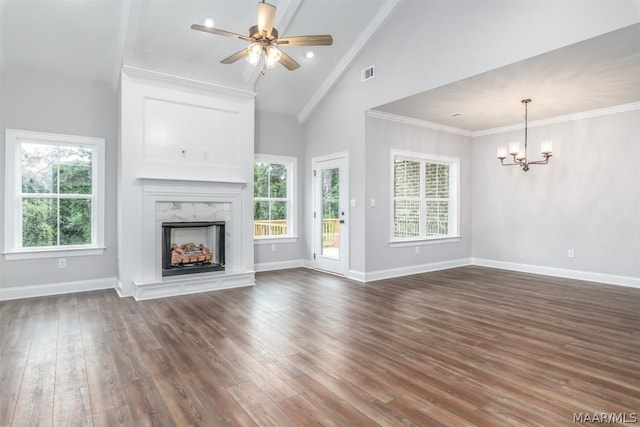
column 454, row 198
column 291, row 164
column 13, row 249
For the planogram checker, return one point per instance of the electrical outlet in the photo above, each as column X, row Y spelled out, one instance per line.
column 417, row 250
column 62, row 263
column 571, row 253
column 273, row 247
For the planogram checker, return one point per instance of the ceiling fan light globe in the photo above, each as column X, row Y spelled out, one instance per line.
column 273, row 53
column 254, row 49
column 270, row 62
column 253, row 59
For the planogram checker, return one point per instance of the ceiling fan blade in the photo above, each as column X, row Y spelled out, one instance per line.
column 236, row 56
column 288, row 62
column 319, row 40
column 266, row 16
column 220, row 32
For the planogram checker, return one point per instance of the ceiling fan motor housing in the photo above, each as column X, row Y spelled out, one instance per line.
column 254, row 33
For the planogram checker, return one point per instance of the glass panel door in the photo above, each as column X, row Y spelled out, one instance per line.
column 330, row 194
column 330, row 215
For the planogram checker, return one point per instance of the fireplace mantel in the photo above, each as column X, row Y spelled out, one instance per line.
column 151, row 180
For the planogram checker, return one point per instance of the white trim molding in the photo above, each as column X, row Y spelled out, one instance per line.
column 14, row 248
column 610, row 279
column 163, row 78
column 382, row 115
column 18, row 292
column 411, row 269
column 561, row 119
column 279, row 265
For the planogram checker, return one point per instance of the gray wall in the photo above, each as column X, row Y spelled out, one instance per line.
column 44, row 102
column 586, row 199
column 429, row 44
column 282, row 135
column 382, row 136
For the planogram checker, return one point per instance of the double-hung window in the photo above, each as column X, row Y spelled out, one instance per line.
column 424, row 196
column 273, row 201
column 54, row 195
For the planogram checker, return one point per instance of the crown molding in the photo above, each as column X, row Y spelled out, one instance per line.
column 417, row 122
column 143, row 74
column 348, row 59
column 544, row 122
column 561, row 119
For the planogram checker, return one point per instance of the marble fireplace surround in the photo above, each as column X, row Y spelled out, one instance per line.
column 169, row 200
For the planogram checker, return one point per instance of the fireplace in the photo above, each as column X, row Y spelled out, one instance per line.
column 192, row 247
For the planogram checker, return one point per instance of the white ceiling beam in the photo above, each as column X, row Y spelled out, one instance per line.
column 347, row 60
column 132, row 17
column 120, row 42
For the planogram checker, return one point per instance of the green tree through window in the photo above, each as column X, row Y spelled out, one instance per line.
column 56, row 195
column 270, row 210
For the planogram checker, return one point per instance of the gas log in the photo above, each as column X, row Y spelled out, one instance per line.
column 189, row 253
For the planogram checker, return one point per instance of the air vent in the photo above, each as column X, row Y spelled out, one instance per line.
column 367, row 73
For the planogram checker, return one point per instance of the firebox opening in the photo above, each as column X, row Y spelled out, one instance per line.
column 192, row 247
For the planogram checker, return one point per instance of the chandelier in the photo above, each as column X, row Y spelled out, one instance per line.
column 520, row 156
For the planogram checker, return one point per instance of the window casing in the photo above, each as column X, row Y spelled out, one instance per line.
column 424, row 197
column 274, row 206
column 54, row 195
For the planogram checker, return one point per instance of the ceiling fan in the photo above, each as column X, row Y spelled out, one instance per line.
column 264, row 42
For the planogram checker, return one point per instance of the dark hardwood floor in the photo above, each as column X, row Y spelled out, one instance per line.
column 467, row 346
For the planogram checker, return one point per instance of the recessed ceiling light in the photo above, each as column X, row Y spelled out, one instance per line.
column 208, row 23
column 309, row 54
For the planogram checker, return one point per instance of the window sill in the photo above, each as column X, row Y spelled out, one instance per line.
column 421, row 242
column 271, row 240
column 52, row 253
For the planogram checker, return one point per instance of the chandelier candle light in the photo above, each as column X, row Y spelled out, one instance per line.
column 520, row 156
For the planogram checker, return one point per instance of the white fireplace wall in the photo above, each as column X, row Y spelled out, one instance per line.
column 181, row 141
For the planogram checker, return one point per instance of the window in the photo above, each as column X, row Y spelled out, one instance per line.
column 424, row 196
column 54, row 195
column 273, row 190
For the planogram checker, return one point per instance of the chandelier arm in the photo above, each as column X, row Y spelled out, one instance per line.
column 540, row 162
column 509, row 164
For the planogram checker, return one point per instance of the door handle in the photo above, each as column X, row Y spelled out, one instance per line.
column 342, row 221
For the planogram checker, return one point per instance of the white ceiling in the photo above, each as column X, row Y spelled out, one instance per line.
column 596, row 73
column 92, row 39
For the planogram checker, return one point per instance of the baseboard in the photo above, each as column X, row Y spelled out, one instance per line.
column 279, row 265
column 18, row 292
column 412, row 269
column 358, row 276
column 611, row 279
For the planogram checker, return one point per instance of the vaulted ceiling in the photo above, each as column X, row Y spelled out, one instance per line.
column 92, row 39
